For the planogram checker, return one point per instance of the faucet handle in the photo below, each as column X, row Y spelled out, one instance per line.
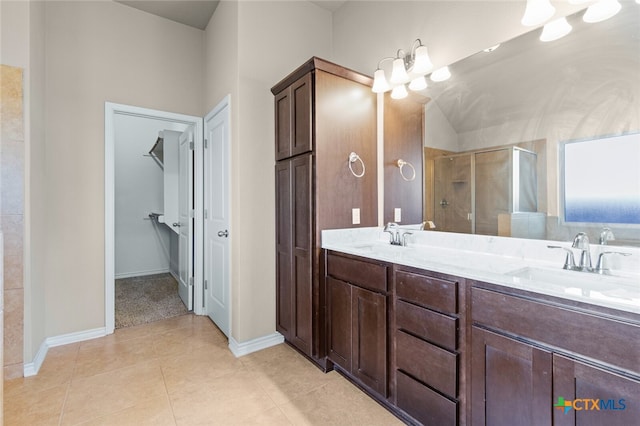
column 600, row 267
column 569, row 261
column 404, row 238
column 606, row 235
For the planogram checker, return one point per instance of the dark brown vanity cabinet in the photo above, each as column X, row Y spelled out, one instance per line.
column 357, row 320
column 427, row 346
column 528, row 355
column 323, row 112
column 512, row 381
column 294, row 252
column 619, row 395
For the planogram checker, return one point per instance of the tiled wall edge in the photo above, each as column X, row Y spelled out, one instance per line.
column 32, row 368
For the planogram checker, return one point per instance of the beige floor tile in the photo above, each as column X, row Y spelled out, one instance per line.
column 111, row 392
column 95, row 359
column 180, row 371
column 231, row 399
column 270, row 355
column 152, row 412
column 337, row 403
column 198, row 368
column 56, row 370
column 187, row 340
column 289, row 376
column 270, row 417
column 35, row 408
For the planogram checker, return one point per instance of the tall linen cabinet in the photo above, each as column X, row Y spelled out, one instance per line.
column 323, row 113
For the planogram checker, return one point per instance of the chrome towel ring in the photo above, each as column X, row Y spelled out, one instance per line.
column 353, row 157
column 401, row 163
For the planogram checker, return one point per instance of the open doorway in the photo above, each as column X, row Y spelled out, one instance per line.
column 152, row 197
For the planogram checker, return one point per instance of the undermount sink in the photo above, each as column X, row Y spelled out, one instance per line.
column 585, row 283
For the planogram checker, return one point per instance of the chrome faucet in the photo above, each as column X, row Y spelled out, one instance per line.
column 606, row 235
column 394, row 235
column 395, row 239
column 581, row 242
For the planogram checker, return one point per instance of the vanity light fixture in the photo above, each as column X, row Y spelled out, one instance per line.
column 418, row 83
column 601, row 10
column 407, row 67
column 555, row 30
column 441, row 74
column 399, row 92
column 537, row 12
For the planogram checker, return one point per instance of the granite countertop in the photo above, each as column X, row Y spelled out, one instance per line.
column 516, row 263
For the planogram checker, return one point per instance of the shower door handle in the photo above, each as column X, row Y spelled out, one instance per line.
column 224, row 233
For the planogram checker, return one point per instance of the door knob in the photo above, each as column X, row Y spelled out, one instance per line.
column 176, row 224
column 224, row 233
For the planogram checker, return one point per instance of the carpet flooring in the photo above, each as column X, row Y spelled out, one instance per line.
column 140, row 300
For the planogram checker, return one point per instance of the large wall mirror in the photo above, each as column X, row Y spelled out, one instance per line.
column 495, row 131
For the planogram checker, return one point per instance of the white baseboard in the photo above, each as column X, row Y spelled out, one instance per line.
column 141, row 273
column 32, row 368
column 245, row 348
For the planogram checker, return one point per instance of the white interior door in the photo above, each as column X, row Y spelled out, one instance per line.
column 185, row 215
column 216, row 218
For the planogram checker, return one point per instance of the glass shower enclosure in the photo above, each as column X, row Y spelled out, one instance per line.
column 472, row 189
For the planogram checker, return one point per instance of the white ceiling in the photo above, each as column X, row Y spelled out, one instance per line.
column 198, row 13
column 189, row 12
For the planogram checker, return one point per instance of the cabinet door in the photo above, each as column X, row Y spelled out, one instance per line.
column 283, row 124
column 301, row 116
column 301, row 245
column 596, row 396
column 369, row 341
column 293, row 117
column 511, row 381
column 340, row 325
column 283, row 249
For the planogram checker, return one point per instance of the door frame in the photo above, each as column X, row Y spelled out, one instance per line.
column 110, row 111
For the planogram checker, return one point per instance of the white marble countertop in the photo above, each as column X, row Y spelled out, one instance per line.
column 516, row 263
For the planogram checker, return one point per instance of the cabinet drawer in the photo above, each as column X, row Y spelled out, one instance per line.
column 429, row 325
column 424, row 404
column 428, row 363
column 363, row 274
column 427, row 291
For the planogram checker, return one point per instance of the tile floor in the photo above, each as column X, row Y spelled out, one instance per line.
column 180, row 371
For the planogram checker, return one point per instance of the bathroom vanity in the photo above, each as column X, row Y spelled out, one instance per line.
column 443, row 335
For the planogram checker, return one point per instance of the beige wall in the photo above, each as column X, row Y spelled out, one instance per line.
column 274, row 38
column 35, row 187
column 95, row 52
column 250, row 46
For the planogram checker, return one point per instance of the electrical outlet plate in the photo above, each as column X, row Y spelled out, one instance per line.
column 397, row 215
column 355, row 216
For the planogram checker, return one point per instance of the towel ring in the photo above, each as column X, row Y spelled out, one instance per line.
column 353, row 157
column 401, row 163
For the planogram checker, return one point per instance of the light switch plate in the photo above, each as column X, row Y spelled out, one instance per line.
column 397, row 214
column 355, row 216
